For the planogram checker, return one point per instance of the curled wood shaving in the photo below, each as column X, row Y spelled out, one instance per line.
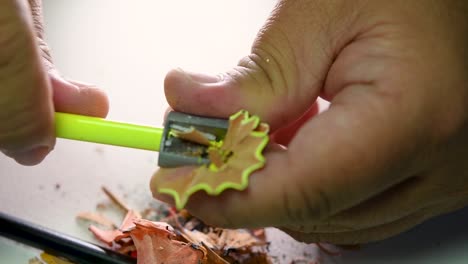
column 114, row 198
column 105, row 236
column 110, row 236
column 96, row 218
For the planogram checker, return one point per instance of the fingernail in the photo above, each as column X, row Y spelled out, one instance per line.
column 81, row 84
column 200, row 77
column 31, row 157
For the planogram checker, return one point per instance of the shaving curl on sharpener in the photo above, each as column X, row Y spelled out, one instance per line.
column 222, row 152
column 186, row 139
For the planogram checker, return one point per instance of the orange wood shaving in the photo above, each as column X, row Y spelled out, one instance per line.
column 105, row 236
column 110, row 236
column 96, row 218
column 129, row 220
column 119, row 202
column 154, row 241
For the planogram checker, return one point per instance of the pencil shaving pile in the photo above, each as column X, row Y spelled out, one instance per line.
column 178, row 238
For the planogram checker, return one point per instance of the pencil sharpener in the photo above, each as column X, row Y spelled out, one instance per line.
column 176, row 152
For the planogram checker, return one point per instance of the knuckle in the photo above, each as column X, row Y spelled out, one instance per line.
column 275, row 73
column 317, row 205
column 272, row 56
column 272, row 77
column 307, row 206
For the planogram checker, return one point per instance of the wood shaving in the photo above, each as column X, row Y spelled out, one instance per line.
column 212, row 257
column 190, row 241
column 111, row 236
column 119, row 202
column 157, row 245
column 193, row 135
column 96, row 218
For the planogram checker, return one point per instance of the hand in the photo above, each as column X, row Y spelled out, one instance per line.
column 389, row 153
column 31, row 89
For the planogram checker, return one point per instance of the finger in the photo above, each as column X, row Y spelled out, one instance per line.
column 28, row 157
column 285, row 134
column 422, row 191
column 278, row 81
column 395, row 203
column 26, row 131
column 78, row 98
column 363, row 235
column 380, row 232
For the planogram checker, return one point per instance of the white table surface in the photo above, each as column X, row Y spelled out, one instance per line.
column 126, row 47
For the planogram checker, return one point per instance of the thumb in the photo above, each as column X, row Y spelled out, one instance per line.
column 77, row 97
column 275, row 81
column 68, row 96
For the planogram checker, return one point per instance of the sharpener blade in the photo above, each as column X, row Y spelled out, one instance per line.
column 176, row 152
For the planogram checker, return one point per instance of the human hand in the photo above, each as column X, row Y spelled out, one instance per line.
column 389, row 153
column 31, row 89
